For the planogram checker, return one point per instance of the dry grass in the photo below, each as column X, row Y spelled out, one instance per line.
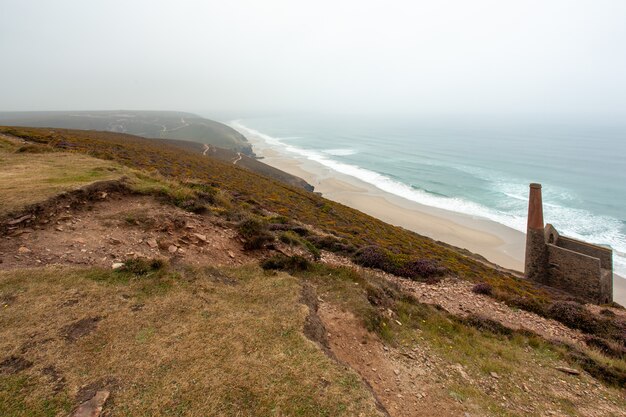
column 27, row 178
column 193, row 342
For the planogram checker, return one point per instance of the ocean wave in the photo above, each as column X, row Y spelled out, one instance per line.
column 339, row 152
column 576, row 223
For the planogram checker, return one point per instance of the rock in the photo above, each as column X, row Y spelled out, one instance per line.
column 115, row 241
column 569, row 371
column 396, row 371
column 80, row 240
column 152, row 243
column 172, row 249
column 200, row 237
column 19, row 220
column 92, row 407
column 494, row 375
column 58, row 229
column 117, row 265
column 232, row 255
column 23, row 250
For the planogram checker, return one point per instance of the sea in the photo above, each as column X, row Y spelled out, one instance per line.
column 480, row 167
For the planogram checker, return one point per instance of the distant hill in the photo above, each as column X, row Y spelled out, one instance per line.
column 149, row 124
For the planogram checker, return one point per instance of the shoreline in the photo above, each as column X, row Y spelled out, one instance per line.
column 497, row 243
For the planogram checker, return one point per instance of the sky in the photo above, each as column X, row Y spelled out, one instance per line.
column 501, row 57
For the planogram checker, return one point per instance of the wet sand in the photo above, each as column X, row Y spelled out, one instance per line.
column 497, row 243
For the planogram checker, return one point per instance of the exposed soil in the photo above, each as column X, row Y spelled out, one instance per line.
column 80, row 328
column 406, row 383
column 14, row 364
column 116, row 227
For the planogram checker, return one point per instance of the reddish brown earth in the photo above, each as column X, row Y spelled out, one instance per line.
column 118, row 228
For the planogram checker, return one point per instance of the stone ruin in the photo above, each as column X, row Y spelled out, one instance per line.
column 580, row 268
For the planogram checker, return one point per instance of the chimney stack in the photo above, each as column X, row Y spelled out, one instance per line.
column 535, row 265
column 535, row 207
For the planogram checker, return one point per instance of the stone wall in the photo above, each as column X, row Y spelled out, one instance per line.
column 576, row 273
column 605, row 255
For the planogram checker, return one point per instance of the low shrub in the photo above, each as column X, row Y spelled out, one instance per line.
column 603, row 371
column 286, row 263
column 372, row 257
column 33, row 148
column 483, row 288
column 255, row 233
column 142, row 266
column 416, row 269
column 301, row 231
column 420, row 270
column 607, row 347
column 332, row 244
column 486, row 324
column 574, row 315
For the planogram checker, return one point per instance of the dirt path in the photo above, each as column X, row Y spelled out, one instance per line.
column 406, row 383
column 238, row 158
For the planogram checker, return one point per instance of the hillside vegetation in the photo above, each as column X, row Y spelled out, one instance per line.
column 149, row 280
column 149, row 124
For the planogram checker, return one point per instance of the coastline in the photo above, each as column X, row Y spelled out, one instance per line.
column 499, row 244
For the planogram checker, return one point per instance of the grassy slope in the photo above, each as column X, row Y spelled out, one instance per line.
column 307, row 207
column 150, row 124
column 55, row 173
column 193, row 342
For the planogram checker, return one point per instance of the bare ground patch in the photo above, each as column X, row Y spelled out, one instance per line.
column 117, row 226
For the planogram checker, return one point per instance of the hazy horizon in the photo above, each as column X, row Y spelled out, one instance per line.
column 507, row 59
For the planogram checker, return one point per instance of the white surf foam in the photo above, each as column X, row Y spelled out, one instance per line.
column 576, row 223
column 339, row 152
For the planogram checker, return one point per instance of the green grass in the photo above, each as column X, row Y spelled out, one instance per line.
column 204, row 347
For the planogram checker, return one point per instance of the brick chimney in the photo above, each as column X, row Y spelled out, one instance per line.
column 536, row 262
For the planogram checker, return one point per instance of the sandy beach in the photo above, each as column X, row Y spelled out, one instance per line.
column 499, row 244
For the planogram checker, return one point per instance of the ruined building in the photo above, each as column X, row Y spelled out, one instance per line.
column 577, row 267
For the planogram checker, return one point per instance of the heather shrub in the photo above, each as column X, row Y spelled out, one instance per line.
column 286, row 263
column 331, row 244
column 372, row 257
column 486, row 324
column 573, row 315
column 254, row 232
column 607, row 313
column 483, row 288
column 525, row 303
column 419, row 269
column 607, row 347
column 301, row 231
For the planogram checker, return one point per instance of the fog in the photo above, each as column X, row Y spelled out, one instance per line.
column 549, row 57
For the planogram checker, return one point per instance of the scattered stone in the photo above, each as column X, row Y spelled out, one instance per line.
column 19, row 220
column 23, row 250
column 58, row 229
column 80, row 240
column 117, row 265
column 152, row 243
column 172, row 248
column 494, row 375
column 232, row 255
column 200, row 237
column 396, row 371
column 92, row 407
column 569, row 371
column 115, row 241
